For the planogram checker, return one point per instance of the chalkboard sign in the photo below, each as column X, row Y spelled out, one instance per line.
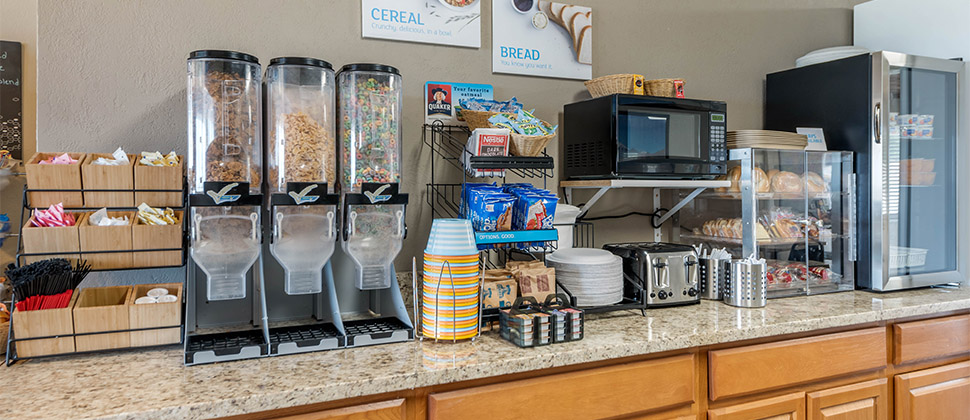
column 11, row 93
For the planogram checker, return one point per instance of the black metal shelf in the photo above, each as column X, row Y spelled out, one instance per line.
column 447, row 142
column 12, row 357
column 12, row 341
column 26, row 208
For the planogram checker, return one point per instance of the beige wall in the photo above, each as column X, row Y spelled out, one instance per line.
column 18, row 22
column 113, row 72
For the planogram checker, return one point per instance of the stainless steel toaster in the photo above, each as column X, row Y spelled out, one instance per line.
column 668, row 273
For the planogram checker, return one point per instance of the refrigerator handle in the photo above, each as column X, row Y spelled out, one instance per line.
column 877, row 122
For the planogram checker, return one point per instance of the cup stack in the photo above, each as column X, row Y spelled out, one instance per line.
column 450, row 292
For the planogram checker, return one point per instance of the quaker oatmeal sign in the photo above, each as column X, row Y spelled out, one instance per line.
column 447, row 22
column 542, row 38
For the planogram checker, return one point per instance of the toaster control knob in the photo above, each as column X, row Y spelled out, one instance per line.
column 692, row 292
column 662, row 295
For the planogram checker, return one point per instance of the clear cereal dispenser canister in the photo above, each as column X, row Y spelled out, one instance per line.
column 224, row 95
column 301, row 161
column 369, row 125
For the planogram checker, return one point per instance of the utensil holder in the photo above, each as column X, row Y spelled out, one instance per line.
column 53, row 179
column 56, row 323
column 713, row 276
column 747, row 285
column 95, row 238
column 108, row 177
column 155, row 315
column 101, row 309
column 159, row 178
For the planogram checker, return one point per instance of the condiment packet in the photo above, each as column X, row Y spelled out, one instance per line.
column 156, row 159
column 152, row 216
column 101, row 218
column 118, row 158
column 63, row 159
column 54, row 216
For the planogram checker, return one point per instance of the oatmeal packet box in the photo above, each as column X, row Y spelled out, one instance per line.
column 537, row 282
column 498, row 292
column 442, row 100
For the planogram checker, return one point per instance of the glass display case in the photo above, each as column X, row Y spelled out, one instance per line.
column 793, row 208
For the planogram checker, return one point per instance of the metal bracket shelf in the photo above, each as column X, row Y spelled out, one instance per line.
column 602, row 186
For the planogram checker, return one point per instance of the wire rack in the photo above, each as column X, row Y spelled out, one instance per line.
column 447, row 145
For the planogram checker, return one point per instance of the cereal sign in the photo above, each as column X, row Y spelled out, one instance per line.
column 447, row 22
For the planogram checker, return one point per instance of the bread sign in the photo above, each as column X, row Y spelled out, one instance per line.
column 542, row 38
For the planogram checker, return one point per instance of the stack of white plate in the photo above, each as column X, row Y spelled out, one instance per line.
column 829, row 54
column 766, row 139
column 593, row 276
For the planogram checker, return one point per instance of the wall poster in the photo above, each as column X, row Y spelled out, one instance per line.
column 446, row 22
column 542, row 38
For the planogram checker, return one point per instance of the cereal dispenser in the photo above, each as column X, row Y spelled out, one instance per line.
column 302, row 166
column 369, row 132
column 225, row 186
column 370, row 150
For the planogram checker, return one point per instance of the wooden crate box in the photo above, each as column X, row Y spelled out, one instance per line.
column 106, row 238
column 155, row 315
column 108, row 177
column 54, row 177
column 159, row 178
column 154, row 237
column 102, row 309
column 43, row 323
column 50, row 239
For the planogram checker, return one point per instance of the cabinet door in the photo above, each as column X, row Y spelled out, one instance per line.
column 619, row 391
column 862, row 401
column 785, row 407
column 931, row 394
column 384, row 410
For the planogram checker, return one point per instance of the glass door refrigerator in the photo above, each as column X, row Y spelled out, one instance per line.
column 906, row 119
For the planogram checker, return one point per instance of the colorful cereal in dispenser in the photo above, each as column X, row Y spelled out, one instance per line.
column 369, row 124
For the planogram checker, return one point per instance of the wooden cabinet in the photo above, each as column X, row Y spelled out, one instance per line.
column 785, row 407
column 791, row 379
column 931, row 338
column 384, row 410
column 932, row 394
column 763, row 367
column 862, row 401
column 609, row 392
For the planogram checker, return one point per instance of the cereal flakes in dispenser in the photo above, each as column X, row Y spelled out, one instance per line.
column 301, row 158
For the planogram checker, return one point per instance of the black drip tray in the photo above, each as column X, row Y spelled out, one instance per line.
column 376, row 329
column 304, row 335
column 222, row 344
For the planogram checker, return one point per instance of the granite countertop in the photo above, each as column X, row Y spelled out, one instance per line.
column 155, row 384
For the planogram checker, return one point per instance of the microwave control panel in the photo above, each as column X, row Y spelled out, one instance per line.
column 718, row 138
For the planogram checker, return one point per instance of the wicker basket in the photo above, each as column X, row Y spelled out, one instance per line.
column 477, row 119
column 523, row 145
column 663, row 87
column 614, row 83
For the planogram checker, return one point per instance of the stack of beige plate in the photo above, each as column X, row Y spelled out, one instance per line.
column 766, row 139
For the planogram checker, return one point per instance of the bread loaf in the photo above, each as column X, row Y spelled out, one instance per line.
column 786, row 182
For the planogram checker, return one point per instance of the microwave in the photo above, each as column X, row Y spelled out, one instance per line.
column 635, row 136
